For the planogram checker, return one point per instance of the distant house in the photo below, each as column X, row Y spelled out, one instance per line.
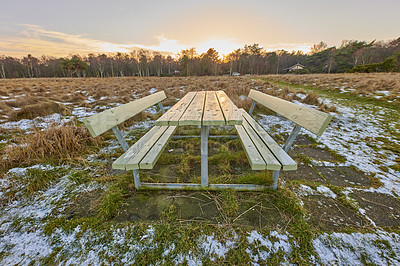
column 297, row 66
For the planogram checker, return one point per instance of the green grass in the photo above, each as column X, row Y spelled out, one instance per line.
column 80, row 177
column 257, row 177
column 37, row 179
column 31, row 181
column 111, row 203
column 185, row 237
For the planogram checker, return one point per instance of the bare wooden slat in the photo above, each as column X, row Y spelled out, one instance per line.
column 99, row 123
column 269, row 158
column 287, row 162
column 311, row 119
column 254, row 157
column 133, row 162
column 229, row 109
column 212, row 111
column 172, row 116
column 194, row 112
column 152, row 156
column 134, row 149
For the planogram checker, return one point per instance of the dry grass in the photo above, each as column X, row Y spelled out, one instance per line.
column 357, row 83
column 29, row 98
column 43, row 108
column 61, row 143
column 311, row 98
column 74, row 91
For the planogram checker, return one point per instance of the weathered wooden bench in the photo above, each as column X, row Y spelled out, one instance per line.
column 262, row 151
column 145, row 152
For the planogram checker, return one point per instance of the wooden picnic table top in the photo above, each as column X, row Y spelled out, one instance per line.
column 207, row 108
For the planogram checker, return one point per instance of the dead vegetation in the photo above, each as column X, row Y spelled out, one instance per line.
column 42, row 108
column 59, row 143
column 384, row 85
column 30, row 98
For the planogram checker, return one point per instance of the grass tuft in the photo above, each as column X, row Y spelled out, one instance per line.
column 60, row 143
column 42, row 108
column 311, row 99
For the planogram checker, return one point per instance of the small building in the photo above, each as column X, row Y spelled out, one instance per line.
column 297, row 66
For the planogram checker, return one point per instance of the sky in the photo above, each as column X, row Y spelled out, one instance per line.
column 62, row 28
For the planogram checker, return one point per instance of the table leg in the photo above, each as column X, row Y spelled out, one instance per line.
column 136, row 178
column 204, row 155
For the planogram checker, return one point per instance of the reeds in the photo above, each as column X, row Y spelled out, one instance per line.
column 56, row 143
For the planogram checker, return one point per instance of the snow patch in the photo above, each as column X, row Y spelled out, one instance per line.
column 265, row 246
column 38, row 122
column 326, row 191
column 81, row 112
column 213, row 247
column 153, row 90
column 378, row 248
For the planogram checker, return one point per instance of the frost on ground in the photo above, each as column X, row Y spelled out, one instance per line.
column 264, row 246
column 22, row 220
column 379, row 248
column 321, row 190
column 354, row 134
column 38, row 122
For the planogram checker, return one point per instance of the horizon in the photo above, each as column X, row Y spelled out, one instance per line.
column 101, row 27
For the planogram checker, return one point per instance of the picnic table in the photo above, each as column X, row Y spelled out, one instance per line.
column 205, row 109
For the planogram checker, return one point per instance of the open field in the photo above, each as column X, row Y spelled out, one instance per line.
column 60, row 201
column 384, row 87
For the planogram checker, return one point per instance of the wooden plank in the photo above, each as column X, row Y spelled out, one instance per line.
column 152, row 156
column 212, row 111
column 269, row 158
column 287, row 162
column 311, row 119
column 101, row 122
column 254, row 157
column 133, row 162
column 194, row 112
column 229, row 109
column 134, row 149
column 172, row 116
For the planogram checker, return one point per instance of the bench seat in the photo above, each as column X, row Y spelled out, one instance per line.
column 262, row 151
column 146, row 151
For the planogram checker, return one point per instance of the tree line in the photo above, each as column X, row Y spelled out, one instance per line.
column 350, row 56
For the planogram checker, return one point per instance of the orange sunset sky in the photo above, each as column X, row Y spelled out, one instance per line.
column 61, row 28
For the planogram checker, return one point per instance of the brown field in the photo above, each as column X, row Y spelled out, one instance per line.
column 371, row 84
column 29, row 98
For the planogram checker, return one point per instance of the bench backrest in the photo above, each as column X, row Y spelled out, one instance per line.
column 101, row 122
column 311, row 119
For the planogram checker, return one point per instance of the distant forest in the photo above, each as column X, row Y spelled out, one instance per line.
column 351, row 56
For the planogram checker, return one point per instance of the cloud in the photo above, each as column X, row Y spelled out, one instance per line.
column 36, row 40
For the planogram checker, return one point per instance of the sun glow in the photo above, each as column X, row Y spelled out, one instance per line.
column 223, row 47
